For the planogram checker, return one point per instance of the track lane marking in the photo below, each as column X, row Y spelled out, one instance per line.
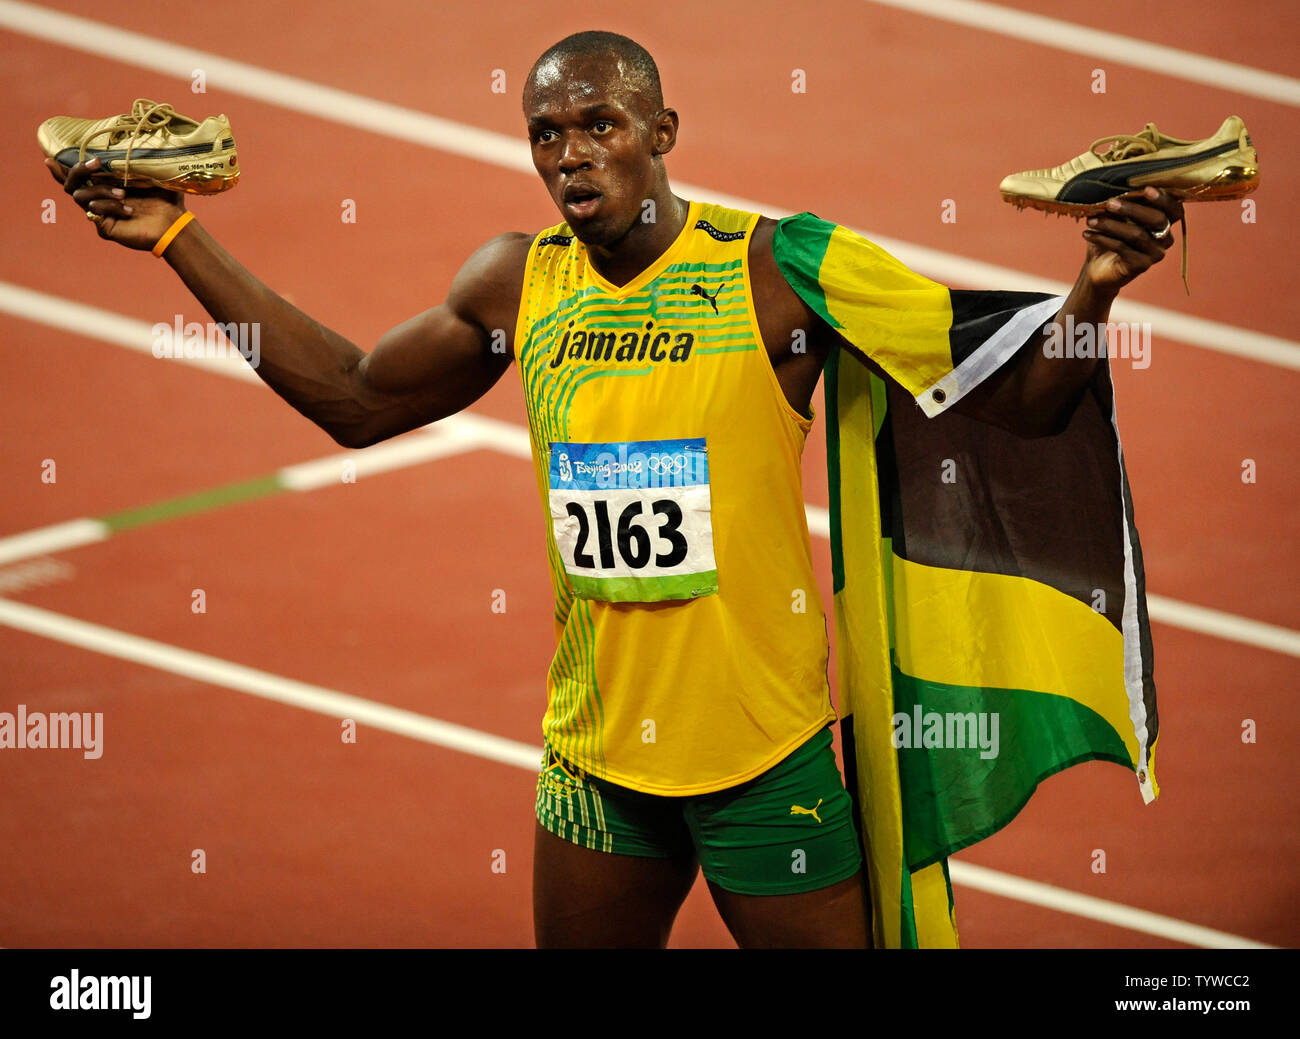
column 1207, row 621
column 215, row 671
column 46, row 540
column 963, row 868
column 1098, row 43
column 464, row 431
column 379, row 117
column 1007, row 885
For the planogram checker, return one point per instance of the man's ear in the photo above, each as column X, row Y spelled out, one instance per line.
column 665, row 131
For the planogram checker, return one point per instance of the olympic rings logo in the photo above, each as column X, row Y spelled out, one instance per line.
column 661, row 464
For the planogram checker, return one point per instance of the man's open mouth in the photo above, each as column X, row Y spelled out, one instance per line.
column 581, row 201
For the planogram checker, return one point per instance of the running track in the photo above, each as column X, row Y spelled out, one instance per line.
column 382, row 588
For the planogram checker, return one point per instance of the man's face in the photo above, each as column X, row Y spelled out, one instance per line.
column 593, row 141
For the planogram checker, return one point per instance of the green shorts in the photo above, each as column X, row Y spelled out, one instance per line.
column 786, row 831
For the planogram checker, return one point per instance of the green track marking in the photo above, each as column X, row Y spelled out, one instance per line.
column 188, row 504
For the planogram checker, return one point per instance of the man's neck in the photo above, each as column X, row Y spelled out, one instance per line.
column 645, row 241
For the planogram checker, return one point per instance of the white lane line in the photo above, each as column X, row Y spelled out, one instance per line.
column 430, row 444
column 981, row 878
column 34, row 573
column 109, row 42
column 378, row 117
column 1222, row 625
column 218, row 672
column 1108, row 47
column 134, row 334
column 497, row 149
column 467, row 431
column 96, row 323
column 224, row 674
column 45, row 540
column 506, row 437
column 958, row 271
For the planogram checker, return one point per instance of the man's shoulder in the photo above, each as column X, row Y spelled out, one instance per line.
column 488, row 285
column 765, row 273
column 764, row 231
column 779, row 308
column 512, row 246
column 510, row 251
column 499, row 261
column 792, row 228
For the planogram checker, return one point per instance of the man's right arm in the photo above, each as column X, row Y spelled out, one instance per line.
column 425, row 369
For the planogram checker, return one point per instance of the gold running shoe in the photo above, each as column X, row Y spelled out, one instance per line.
column 1220, row 167
column 149, row 146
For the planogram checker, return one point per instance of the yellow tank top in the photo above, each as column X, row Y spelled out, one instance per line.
column 691, row 641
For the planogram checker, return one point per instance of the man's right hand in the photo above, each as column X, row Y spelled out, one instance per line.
column 133, row 217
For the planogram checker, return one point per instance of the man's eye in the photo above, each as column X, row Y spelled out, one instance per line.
column 601, row 125
column 542, row 136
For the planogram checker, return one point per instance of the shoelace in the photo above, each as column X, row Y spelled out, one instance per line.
column 1128, row 146
column 145, row 116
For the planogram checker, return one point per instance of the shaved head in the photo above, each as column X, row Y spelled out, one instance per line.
column 598, row 131
column 629, row 60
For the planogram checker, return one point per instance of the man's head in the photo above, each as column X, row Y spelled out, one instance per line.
column 598, row 130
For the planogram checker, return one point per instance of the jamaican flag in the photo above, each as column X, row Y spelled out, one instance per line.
column 989, row 594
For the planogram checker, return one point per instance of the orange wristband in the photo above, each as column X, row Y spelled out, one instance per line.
column 160, row 246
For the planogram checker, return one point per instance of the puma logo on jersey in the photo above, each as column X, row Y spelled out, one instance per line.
column 698, row 290
column 796, row 810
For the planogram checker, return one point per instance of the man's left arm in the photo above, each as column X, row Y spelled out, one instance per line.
column 1036, row 393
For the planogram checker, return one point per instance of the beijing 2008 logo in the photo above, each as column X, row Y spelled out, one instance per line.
column 566, row 470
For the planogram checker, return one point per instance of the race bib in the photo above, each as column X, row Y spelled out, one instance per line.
column 633, row 520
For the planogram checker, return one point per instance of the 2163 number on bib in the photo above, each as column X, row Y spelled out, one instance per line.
column 633, row 519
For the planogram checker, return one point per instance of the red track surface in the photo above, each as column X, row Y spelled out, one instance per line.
column 382, row 588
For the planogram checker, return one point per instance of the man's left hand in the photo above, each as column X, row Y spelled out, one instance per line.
column 1122, row 240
